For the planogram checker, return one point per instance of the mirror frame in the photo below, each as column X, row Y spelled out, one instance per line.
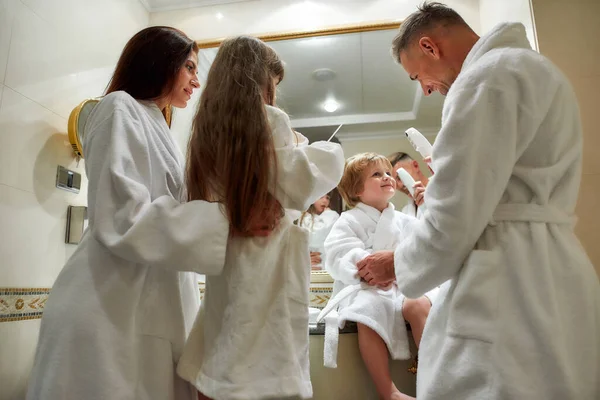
column 320, row 276
column 334, row 30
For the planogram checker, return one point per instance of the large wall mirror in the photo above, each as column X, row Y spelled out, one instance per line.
column 343, row 75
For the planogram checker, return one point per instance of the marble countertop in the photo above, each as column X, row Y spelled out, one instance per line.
column 349, row 327
column 319, row 329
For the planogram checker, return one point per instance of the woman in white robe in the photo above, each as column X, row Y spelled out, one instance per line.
column 520, row 316
column 121, row 308
column 250, row 340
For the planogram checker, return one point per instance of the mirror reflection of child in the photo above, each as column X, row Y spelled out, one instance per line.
column 318, row 219
column 381, row 313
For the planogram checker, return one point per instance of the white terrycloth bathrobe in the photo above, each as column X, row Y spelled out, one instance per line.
column 121, row 308
column 358, row 233
column 520, row 318
column 250, row 340
column 411, row 209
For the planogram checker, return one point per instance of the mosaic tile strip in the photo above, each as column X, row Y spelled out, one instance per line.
column 18, row 304
column 318, row 298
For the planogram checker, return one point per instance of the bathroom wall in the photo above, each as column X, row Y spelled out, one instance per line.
column 53, row 54
column 493, row 12
column 568, row 34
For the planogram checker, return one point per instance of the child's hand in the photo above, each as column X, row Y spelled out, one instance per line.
column 419, row 196
column 315, row 258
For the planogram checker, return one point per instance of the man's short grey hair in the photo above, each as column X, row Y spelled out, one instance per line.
column 397, row 157
column 429, row 15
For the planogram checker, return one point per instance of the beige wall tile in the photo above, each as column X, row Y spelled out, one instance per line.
column 7, row 14
column 16, row 357
column 563, row 31
column 588, row 225
column 587, row 90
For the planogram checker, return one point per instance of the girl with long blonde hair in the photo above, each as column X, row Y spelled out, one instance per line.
column 250, row 339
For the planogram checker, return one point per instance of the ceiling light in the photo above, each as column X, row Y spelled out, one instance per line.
column 323, row 74
column 219, row 15
column 331, row 106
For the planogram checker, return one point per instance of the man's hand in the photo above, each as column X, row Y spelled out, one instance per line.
column 419, row 196
column 378, row 268
column 428, row 162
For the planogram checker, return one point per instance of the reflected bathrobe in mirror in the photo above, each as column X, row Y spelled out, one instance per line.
column 358, row 233
column 250, row 340
column 319, row 227
column 520, row 317
column 120, row 310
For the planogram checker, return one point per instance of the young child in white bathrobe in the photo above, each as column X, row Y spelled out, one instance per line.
column 319, row 220
column 380, row 312
column 250, row 339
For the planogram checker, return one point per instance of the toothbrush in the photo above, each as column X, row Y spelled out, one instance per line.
column 419, row 142
column 407, row 180
column 336, row 131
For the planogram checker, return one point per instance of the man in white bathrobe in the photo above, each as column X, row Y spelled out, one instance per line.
column 520, row 316
column 402, row 160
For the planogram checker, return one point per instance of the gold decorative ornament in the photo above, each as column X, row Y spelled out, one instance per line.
column 76, row 123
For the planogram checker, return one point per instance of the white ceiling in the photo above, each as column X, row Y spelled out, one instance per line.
column 376, row 96
column 166, row 5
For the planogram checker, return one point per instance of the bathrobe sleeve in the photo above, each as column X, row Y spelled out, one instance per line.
column 484, row 129
column 343, row 250
column 129, row 222
column 304, row 172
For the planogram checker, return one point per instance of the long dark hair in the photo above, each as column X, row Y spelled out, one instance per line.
column 150, row 62
column 231, row 154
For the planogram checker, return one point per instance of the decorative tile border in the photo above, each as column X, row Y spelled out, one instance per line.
column 319, row 294
column 319, row 297
column 18, row 304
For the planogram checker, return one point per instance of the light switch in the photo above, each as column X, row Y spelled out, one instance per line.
column 68, row 180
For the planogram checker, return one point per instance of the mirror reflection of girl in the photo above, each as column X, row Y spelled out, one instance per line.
column 318, row 219
column 122, row 306
column 250, row 340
